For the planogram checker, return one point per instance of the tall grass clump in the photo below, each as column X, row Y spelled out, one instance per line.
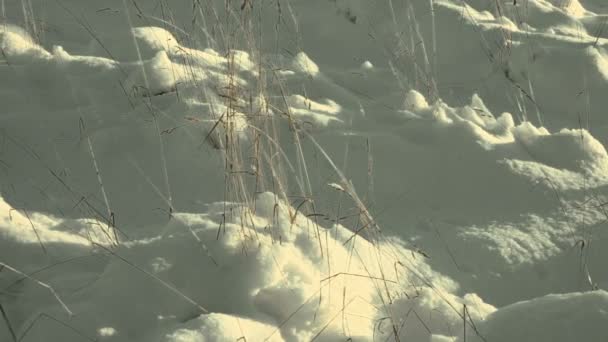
column 254, row 155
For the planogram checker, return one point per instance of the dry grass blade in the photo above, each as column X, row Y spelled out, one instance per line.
column 162, row 282
column 48, row 268
column 8, row 323
column 356, row 275
column 60, row 322
column 27, row 216
column 320, row 332
column 45, row 285
column 110, row 214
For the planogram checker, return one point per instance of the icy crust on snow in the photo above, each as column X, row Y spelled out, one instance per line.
column 268, row 273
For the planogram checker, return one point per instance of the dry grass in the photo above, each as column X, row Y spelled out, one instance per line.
column 253, row 159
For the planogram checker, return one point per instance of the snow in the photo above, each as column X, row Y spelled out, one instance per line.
column 17, row 44
column 367, row 65
column 318, row 113
column 220, row 327
column 298, row 171
column 304, row 64
column 563, row 317
column 107, row 332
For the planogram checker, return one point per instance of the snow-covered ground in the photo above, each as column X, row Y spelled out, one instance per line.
column 298, row 170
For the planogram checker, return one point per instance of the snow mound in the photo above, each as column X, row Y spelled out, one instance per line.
column 555, row 318
column 303, row 63
column 18, row 46
column 314, row 112
column 571, row 7
column 23, row 227
column 289, row 280
column 221, row 328
column 492, row 197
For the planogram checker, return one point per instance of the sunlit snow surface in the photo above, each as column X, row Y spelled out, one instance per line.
column 493, row 225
